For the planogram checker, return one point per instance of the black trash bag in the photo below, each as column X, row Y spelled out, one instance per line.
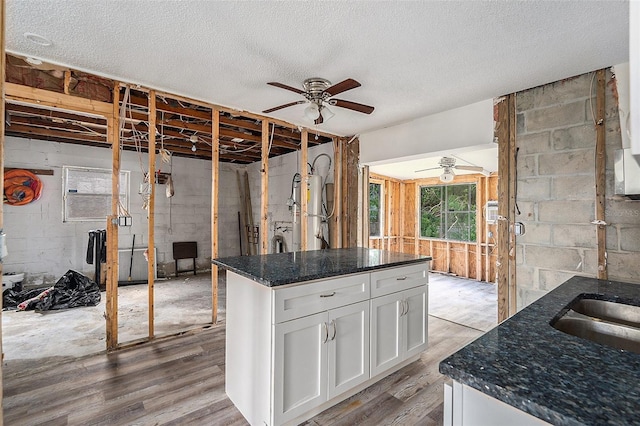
column 11, row 298
column 72, row 290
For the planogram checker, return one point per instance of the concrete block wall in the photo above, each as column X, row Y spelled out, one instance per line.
column 44, row 247
column 556, row 138
column 281, row 171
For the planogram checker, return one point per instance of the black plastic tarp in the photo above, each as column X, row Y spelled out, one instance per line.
column 72, row 290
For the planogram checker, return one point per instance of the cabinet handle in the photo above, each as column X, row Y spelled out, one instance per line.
column 335, row 329
column 402, row 308
column 333, row 293
column 406, row 311
column 401, row 278
column 325, row 327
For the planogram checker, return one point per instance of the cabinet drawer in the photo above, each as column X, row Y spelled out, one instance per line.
column 307, row 299
column 389, row 281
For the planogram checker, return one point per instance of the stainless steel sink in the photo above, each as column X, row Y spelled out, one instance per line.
column 609, row 323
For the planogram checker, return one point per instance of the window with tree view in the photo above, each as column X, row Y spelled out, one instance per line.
column 375, row 209
column 448, row 212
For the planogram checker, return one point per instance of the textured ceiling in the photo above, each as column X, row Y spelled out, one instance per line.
column 412, row 58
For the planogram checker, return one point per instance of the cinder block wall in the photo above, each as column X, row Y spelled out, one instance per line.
column 44, row 247
column 556, row 189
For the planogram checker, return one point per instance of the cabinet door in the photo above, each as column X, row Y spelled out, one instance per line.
column 300, row 370
column 386, row 332
column 348, row 347
column 415, row 321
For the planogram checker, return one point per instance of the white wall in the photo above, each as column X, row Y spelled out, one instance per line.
column 44, row 247
column 281, row 171
column 467, row 126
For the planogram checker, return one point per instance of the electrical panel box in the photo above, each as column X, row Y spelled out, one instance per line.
column 491, row 212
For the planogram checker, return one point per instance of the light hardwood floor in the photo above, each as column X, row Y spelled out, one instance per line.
column 180, row 380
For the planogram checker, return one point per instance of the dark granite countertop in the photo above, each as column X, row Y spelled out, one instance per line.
column 562, row 379
column 286, row 268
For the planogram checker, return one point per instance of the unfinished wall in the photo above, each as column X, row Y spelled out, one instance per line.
column 281, row 171
column 44, row 247
column 556, row 138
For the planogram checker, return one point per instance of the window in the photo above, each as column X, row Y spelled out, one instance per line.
column 448, row 212
column 375, row 209
column 87, row 193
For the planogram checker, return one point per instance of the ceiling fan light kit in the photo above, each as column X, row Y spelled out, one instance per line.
column 317, row 92
column 448, row 164
column 447, row 176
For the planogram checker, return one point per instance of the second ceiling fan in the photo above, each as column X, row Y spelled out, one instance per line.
column 318, row 92
column 448, row 164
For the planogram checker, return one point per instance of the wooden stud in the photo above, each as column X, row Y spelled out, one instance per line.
column 337, row 188
column 304, row 142
column 264, row 196
column 2, row 108
column 364, row 237
column 504, row 177
column 601, row 162
column 215, row 201
column 111, row 314
column 487, row 260
column 512, row 205
column 401, row 233
column 151, row 210
column 480, row 220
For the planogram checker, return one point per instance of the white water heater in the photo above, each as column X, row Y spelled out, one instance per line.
column 315, row 227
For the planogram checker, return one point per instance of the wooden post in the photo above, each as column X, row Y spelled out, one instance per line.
column 506, row 290
column 111, row 314
column 151, row 209
column 487, row 260
column 215, row 179
column 2, row 99
column 339, row 176
column 364, row 240
column 403, row 190
column 304, row 142
column 67, row 80
column 416, row 234
column 601, row 162
column 264, row 196
column 512, row 205
column 480, row 218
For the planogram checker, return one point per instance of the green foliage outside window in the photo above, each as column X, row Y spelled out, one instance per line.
column 448, row 212
column 375, row 193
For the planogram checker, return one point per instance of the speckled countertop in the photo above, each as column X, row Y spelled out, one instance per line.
column 286, row 268
column 559, row 378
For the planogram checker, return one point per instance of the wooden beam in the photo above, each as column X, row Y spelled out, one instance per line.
column 215, row 202
column 264, row 196
column 304, row 181
column 337, row 197
column 512, row 205
column 111, row 314
column 480, row 220
column 504, row 178
column 364, row 239
column 601, row 164
column 17, row 92
column 151, row 211
column 67, row 80
column 2, row 106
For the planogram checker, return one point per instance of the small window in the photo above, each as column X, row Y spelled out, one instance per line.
column 375, row 209
column 87, row 193
column 448, row 212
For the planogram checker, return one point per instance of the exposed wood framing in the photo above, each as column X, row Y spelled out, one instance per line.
column 304, row 180
column 264, row 196
column 350, row 159
column 363, row 238
column 2, row 101
column 111, row 308
column 337, row 197
column 512, row 205
column 20, row 93
column 480, row 214
column 67, row 80
column 215, row 201
column 601, row 162
column 151, row 212
column 506, row 175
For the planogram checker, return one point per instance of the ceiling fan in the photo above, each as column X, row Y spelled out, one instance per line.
column 317, row 92
column 449, row 164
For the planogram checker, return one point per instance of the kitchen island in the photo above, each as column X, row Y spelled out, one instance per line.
column 525, row 371
column 306, row 330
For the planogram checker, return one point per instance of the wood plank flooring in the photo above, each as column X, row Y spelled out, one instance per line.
column 180, row 381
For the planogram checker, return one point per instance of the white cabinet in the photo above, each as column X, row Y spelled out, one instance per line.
column 295, row 350
column 398, row 327
column 319, row 357
column 466, row 406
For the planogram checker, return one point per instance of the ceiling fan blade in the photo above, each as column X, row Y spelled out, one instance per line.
column 424, row 170
column 319, row 120
column 266, row 111
column 365, row 109
column 469, row 168
column 284, row 86
column 343, row 86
